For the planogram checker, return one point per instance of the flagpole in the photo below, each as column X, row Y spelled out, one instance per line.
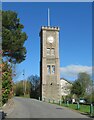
column 48, row 17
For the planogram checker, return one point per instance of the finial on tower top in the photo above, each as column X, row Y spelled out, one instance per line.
column 48, row 17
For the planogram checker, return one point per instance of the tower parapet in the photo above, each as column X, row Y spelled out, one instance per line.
column 50, row 28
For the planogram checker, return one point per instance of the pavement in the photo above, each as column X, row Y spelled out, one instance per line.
column 0, row 114
column 31, row 108
column 6, row 109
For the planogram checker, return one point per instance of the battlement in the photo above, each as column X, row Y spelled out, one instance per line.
column 50, row 28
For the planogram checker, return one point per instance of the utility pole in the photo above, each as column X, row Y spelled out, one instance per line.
column 23, row 82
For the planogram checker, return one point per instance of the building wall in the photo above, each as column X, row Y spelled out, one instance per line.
column 50, row 83
column 65, row 87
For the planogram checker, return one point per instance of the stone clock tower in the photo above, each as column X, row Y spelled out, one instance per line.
column 49, row 63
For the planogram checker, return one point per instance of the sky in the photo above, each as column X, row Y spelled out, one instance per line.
column 75, row 43
column 47, row 0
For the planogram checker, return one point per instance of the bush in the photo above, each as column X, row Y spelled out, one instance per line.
column 19, row 90
column 6, row 82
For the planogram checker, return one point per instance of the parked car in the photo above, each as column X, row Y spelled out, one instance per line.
column 82, row 101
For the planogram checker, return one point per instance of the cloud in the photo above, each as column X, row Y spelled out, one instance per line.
column 71, row 71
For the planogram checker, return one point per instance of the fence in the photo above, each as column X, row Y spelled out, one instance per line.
column 86, row 108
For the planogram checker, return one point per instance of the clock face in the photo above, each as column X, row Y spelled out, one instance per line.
column 50, row 39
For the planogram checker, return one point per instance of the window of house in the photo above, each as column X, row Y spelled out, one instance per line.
column 48, row 69
column 53, row 69
column 52, row 51
column 48, row 51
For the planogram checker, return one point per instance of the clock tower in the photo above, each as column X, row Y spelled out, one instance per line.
column 49, row 63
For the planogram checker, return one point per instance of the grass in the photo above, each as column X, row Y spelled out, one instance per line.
column 25, row 96
column 82, row 108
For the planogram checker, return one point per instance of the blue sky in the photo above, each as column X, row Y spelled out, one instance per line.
column 75, row 22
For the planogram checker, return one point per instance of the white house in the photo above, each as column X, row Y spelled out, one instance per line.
column 65, row 87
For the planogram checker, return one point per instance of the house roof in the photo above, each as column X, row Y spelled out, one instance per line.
column 66, row 80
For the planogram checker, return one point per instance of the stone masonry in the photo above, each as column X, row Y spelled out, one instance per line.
column 49, row 63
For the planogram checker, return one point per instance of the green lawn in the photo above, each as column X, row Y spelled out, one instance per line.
column 82, row 108
column 25, row 96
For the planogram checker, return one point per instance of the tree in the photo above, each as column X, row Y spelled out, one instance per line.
column 13, row 50
column 35, row 86
column 19, row 88
column 0, row 26
column 77, row 89
column 85, row 82
column 82, row 85
column 12, row 37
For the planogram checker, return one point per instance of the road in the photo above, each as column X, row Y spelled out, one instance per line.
column 31, row 108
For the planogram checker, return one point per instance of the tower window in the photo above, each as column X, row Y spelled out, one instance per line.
column 48, row 51
column 53, row 69
column 48, row 69
column 52, row 51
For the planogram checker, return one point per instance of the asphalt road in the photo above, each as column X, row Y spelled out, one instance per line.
column 31, row 108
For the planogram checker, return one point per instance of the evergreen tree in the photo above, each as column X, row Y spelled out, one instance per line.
column 12, row 37
column 13, row 50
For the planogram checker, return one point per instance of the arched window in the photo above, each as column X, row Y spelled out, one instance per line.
column 48, row 69
column 53, row 69
column 48, row 51
column 52, row 51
